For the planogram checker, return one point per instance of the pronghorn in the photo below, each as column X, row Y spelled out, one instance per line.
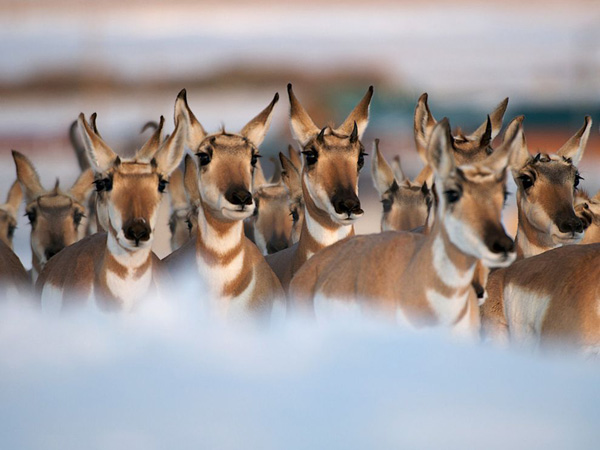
column 588, row 210
column 292, row 180
column 271, row 224
column 548, row 299
column 467, row 148
column 406, row 203
column 117, row 270
column 235, row 278
column 55, row 216
column 545, row 188
column 333, row 159
column 420, row 279
column 179, row 222
column 8, row 213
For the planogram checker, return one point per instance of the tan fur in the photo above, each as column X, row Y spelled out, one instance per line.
column 13, row 276
column 291, row 178
column 395, row 272
column 588, row 210
column 56, row 217
column 226, row 163
column 118, row 268
column 180, row 211
column 467, row 148
column 565, row 297
column 8, row 213
column 338, row 154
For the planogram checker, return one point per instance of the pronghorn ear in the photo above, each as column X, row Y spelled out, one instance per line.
column 596, row 197
column 28, row 177
column 358, row 118
column 519, row 156
column 295, row 158
column 177, row 190
column 397, row 169
column 82, row 188
column 258, row 179
column 381, row 172
column 424, row 122
column 485, row 139
column 575, row 146
column 100, row 155
column 439, row 152
column 303, row 128
column 425, row 176
column 256, row 130
column 14, row 198
column 190, row 180
column 494, row 122
column 169, row 154
column 290, row 176
column 78, row 147
column 276, row 178
column 513, row 142
column 195, row 131
column 146, row 153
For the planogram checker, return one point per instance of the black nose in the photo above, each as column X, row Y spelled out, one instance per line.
column 346, row 203
column 571, row 225
column 238, row 196
column 498, row 242
column 276, row 244
column 50, row 252
column 137, row 230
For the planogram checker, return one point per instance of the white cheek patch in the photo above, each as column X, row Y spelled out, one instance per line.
column 525, row 312
column 537, row 217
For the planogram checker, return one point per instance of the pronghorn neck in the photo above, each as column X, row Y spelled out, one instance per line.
column 125, row 275
column 529, row 240
column 36, row 266
column 216, row 236
column 318, row 229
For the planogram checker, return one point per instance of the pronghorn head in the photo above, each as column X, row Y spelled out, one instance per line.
column 130, row 190
column 588, row 210
column 226, row 163
column 406, row 203
column 546, row 184
column 468, row 149
column 292, row 180
column 180, row 209
column 332, row 159
column 55, row 216
column 8, row 213
column 272, row 224
column 471, row 198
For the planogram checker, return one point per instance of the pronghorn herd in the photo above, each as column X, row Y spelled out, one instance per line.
column 248, row 246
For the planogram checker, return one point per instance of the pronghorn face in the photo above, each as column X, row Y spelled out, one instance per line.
column 181, row 227
column 467, row 149
column 55, row 216
column 332, row 163
column 292, row 180
column 333, row 159
column 588, row 210
column 546, row 186
column 130, row 191
column 8, row 213
column 272, row 224
column 471, row 198
column 225, row 167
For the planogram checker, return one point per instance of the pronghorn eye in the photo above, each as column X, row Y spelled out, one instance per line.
column 526, row 181
column 203, row 158
column 577, row 178
column 294, row 214
column 11, row 231
column 162, row 185
column 31, row 215
column 77, row 216
column 506, row 195
column 387, row 204
column 361, row 160
column 452, row 196
column 189, row 224
column 254, row 159
column 311, row 156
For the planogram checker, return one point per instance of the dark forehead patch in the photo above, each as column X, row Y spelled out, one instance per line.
column 225, row 142
column 555, row 169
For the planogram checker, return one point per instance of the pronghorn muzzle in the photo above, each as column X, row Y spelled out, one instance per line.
column 276, row 244
column 346, row 202
column 498, row 242
column 570, row 225
column 137, row 230
column 53, row 250
column 238, row 196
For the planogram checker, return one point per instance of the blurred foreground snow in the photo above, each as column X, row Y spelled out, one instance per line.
column 165, row 379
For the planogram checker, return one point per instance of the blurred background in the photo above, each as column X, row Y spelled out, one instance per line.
column 128, row 60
